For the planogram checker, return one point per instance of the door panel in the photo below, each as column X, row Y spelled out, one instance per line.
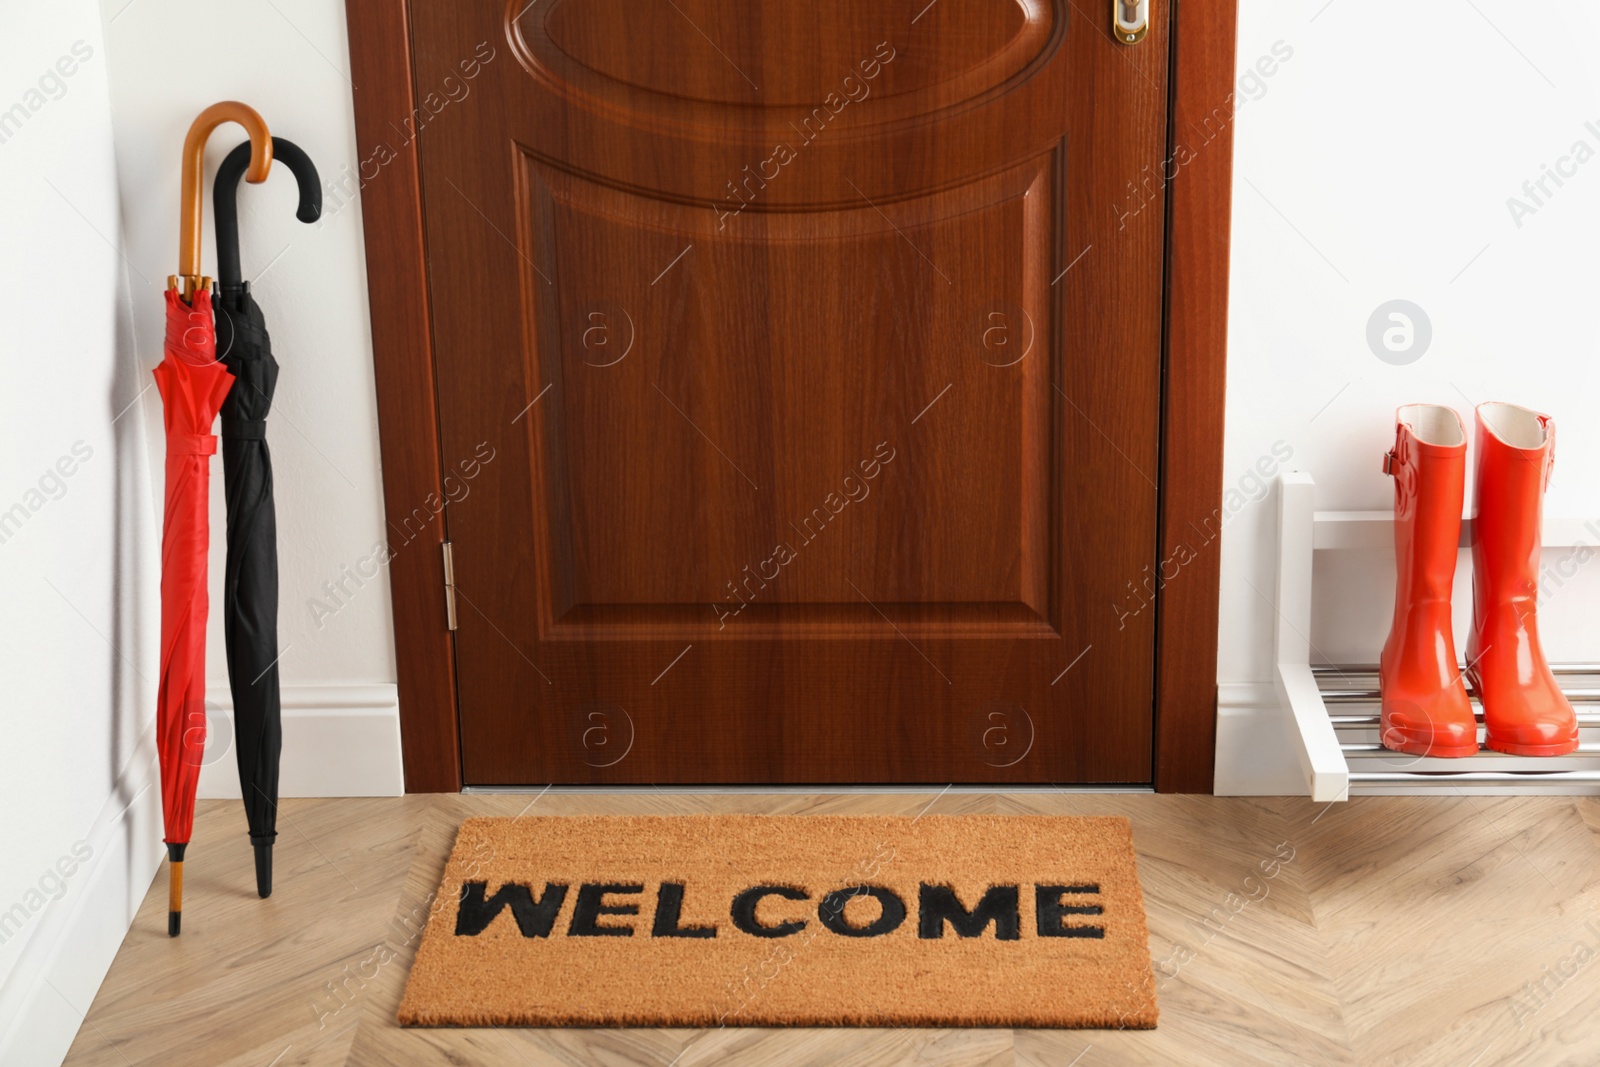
column 728, row 344
column 814, row 349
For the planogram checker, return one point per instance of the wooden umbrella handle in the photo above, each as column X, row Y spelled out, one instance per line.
column 194, row 159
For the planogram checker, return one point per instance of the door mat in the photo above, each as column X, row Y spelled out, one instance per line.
column 751, row 920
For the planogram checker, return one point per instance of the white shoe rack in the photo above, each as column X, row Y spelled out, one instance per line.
column 1335, row 707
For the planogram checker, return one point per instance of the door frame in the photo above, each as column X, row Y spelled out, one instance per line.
column 1199, row 193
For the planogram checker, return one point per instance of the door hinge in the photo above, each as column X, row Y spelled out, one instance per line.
column 449, row 585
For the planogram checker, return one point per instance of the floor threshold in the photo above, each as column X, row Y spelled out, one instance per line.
column 810, row 790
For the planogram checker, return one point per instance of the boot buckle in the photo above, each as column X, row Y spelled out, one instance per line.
column 1389, row 461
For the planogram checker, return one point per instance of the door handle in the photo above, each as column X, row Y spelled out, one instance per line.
column 1130, row 19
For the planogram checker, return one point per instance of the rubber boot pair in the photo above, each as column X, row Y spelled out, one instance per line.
column 1425, row 707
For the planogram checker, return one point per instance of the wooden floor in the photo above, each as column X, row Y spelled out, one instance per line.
column 1395, row 930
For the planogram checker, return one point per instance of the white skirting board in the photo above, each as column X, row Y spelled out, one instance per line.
column 338, row 741
column 71, row 941
column 1258, row 754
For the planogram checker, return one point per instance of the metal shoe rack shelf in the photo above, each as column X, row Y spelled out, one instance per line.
column 1335, row 708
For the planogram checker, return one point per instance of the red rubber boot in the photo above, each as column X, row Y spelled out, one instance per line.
column 1524, row 710
column 1425, row 707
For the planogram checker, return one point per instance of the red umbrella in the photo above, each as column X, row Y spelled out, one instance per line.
column 193, row 385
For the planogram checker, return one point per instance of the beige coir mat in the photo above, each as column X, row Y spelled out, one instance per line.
column 749, row 920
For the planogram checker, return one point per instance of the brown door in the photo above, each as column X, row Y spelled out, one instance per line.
column 799, row 375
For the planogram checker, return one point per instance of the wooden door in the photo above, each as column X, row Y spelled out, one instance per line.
column 798, row 366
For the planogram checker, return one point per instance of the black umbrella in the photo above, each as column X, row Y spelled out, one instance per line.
column 250, row 588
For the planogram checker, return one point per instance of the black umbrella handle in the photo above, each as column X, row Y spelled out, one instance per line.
column 225, row 199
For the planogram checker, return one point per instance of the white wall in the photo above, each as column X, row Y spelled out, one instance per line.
column 89, row 175
column 289, row 60
column 78, row 538
column 1376, row 164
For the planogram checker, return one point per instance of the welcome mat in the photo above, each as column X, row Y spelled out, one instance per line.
column 750, row 920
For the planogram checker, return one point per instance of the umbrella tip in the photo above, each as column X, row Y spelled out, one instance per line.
column 175, row 887
column 264, row 871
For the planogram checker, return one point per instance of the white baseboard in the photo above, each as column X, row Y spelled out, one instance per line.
column 338, row 741
column 71, row 941
column 1256, row 751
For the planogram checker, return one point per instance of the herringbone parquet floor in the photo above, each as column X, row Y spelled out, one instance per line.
column 1453, row 930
